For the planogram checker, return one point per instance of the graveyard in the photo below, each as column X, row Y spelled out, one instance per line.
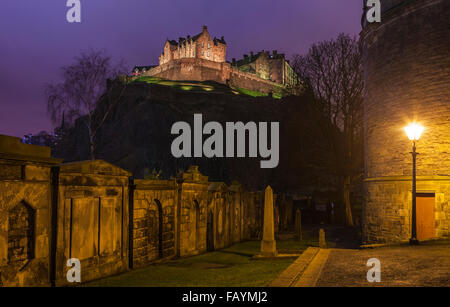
column 229, row 267
column 311, row 148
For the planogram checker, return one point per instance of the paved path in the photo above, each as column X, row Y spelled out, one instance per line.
column 305, row 271
column 427, row 264
column 312, row 272
column 424, row 265
column 291, row 274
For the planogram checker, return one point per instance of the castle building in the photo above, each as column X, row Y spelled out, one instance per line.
column 203, row 58
column 273, row 67
column 201, row 46
column 407, row 77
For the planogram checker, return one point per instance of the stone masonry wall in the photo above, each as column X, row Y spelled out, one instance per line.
column 390, row 199
column 192, row 221
column 25, row 195
column 202, row 70
column 193, row 69
column 407, row 75
column 52, row 212
column 92, row 219
column 154, row 229
column 251, row 82
column 407, row 72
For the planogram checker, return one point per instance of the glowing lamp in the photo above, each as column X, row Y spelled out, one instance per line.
column 414, row 131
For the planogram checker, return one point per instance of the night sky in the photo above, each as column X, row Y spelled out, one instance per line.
column 36, row 40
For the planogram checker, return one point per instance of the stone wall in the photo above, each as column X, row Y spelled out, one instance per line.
column 254, row 214
column 25, row 212
column 92, row 219
column 95, row 212
column 192, row 213
column 407, row 72
column 195, row 69
column 251, row 82
column 387, row 212
column 224, row 219
column 154, row 228
column 192, row 69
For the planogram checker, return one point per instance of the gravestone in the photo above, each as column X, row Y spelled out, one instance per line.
column 322, row 242
column 298, row 225
column 268, row 243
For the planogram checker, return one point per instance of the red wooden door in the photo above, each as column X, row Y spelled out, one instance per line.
column 425, row 216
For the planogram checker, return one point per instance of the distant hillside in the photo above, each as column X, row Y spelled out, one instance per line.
column 136, row 136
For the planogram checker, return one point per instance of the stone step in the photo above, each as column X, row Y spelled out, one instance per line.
column 290, row 275
column 312, row 273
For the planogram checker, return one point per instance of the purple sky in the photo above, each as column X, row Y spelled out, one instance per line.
column 36, row 40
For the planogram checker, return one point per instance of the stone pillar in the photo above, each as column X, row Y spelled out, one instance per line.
column 322, row 241
column 268, row 243
column 298, row 224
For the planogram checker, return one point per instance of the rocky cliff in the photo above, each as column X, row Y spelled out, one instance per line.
column 136, row 134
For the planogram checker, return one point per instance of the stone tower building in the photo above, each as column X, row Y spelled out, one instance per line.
column 200, row 46
column 407, row 79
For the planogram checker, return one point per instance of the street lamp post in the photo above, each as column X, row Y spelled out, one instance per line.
column 413, row 240
column 414, row 131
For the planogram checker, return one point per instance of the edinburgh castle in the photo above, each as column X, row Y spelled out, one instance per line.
column 203, row 58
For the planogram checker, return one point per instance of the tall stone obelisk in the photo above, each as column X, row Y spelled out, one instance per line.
column 268, row 243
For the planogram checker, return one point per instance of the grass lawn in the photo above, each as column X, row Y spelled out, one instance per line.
column 230, row 267
column 257, row 94
column 250, row 92
column 186, row 85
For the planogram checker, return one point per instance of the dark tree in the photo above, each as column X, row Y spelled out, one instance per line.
column 43, row 138
column 83, row 84
column 332, row 71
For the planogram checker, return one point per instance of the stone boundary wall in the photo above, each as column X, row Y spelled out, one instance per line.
column 241, row 79
column 92, row 219
column 96, row 212
column 25, row 212
column 191, row 69
column 194, row 69
column 154, row 228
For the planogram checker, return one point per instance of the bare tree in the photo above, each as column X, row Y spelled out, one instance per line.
column 332, row 71
column 83, row 84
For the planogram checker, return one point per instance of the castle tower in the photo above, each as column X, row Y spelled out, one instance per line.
column 407, row 78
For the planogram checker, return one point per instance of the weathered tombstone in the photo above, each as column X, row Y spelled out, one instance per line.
column 322, row 242
column 268, row 243
column 298, row 224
